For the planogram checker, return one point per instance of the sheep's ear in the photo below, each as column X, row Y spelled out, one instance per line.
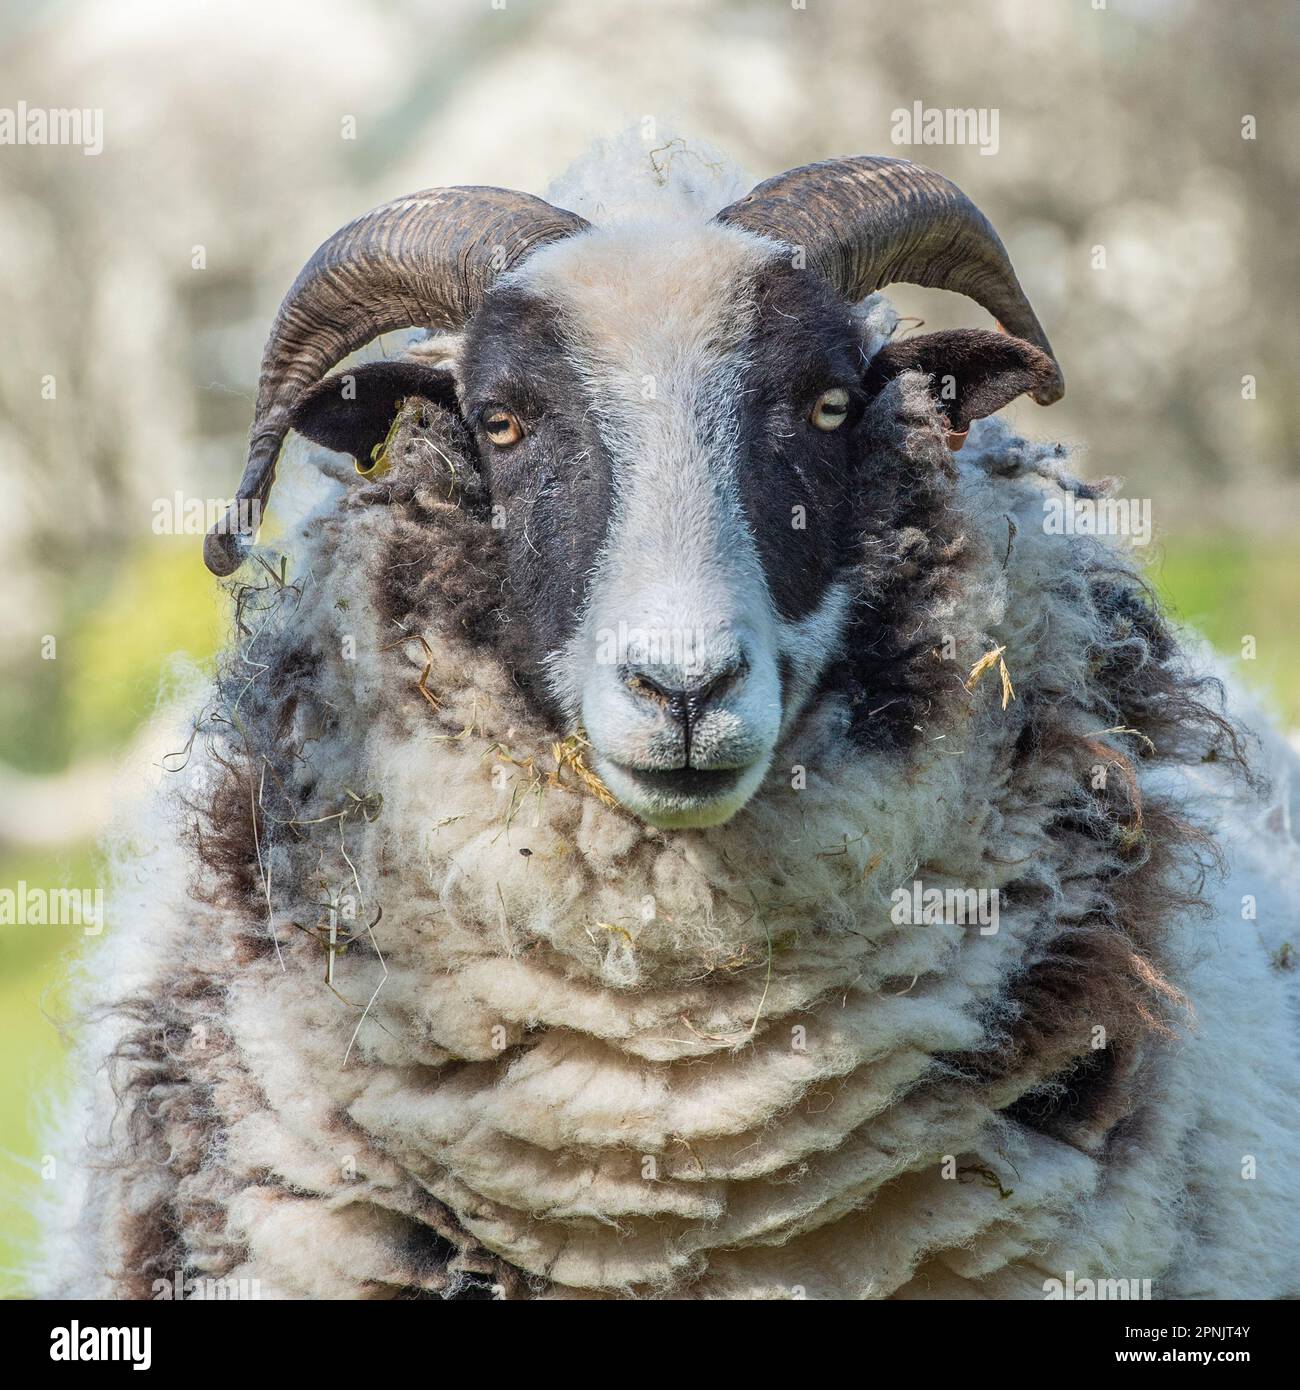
column 352, row 411
column 973, row 372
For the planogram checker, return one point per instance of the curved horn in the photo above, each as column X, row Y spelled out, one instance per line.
column 872, row 221
column 423, row 260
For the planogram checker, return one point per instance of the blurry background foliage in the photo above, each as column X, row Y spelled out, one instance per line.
column 224, row 144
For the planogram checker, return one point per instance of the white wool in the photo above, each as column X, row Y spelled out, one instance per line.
column 649, row 171
column 668, row 1041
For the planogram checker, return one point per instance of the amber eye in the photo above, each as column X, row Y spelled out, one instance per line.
column 503, row 428
column 831, row 409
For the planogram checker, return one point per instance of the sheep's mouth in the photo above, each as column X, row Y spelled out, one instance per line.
column 682, row 798
column 687, row 783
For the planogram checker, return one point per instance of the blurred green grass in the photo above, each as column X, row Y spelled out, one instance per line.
column 116, row 642
column 163, row 603
column 116, row 646
column 34, row 965
column 1231, row 587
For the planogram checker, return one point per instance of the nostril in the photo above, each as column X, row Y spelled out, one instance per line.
column 674, row 702
column 717, row 686
column 649, row 688
column 684, row 702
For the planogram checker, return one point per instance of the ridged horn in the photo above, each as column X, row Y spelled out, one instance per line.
column 425, row 260
column 870, row 221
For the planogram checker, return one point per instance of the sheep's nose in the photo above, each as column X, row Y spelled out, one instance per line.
column 685, row 701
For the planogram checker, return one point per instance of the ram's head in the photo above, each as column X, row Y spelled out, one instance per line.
column 669, row 419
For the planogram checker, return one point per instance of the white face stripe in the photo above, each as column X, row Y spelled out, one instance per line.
column 656, row 317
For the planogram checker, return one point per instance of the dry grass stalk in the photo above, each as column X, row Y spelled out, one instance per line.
column 572, row 754
column 986, row 663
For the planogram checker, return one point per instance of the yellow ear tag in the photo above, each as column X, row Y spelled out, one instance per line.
column 379, row 463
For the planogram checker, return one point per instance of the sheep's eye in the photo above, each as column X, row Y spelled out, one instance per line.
column 831, row 409
column 503, row 428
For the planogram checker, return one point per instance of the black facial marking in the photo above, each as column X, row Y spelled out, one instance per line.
column 552, row 491
column 798, row 482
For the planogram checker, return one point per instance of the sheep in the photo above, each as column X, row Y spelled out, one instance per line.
column 530, row 911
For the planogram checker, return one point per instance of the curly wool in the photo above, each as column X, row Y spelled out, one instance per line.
column 550, row 1051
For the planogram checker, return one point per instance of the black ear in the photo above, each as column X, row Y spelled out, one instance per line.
column 973, row 372
column 352, row 411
